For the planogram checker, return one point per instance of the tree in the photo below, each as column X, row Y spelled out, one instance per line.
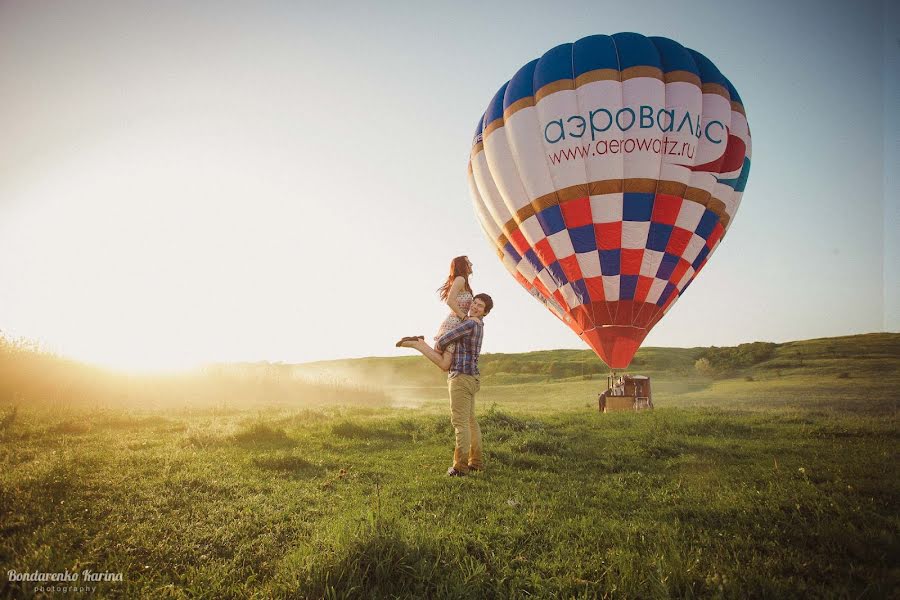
column 557, row 370
column 704, row 367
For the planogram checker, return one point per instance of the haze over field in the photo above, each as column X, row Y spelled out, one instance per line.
column 31, row 379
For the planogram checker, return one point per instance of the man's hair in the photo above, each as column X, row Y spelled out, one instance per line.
column 488, row 303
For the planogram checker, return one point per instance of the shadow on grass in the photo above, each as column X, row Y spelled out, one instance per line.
column 724, row 425
column 132, row 422
column 379, row 560
column 287, row 464
column 540, row 444
column 71, row 427
column 263, row 434
column 358, row 431
column 513, row 459
column 662, row 449
column 91, row 423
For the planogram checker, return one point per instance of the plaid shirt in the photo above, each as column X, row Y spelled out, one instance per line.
column 468, row 336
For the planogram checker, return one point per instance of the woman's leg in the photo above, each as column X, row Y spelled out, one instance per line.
column 446, row 359
column 441, row 360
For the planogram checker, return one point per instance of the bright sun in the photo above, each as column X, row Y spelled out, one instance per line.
column 135, row 266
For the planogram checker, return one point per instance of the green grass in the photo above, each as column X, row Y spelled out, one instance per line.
column 783, row 486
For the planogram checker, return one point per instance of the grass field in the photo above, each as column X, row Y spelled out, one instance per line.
column 776, row 479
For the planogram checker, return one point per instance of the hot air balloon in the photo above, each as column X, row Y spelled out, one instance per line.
column 606, row 173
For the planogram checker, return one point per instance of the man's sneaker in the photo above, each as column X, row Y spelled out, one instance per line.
column 451, row 472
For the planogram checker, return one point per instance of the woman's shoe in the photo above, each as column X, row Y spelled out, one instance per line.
column 409, row 338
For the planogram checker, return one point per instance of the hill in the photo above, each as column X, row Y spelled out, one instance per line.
column 871, row 354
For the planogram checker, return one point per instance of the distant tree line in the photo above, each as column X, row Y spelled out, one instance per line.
column 552, row 368
column 723, row 361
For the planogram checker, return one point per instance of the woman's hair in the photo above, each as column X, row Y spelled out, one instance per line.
column 459, row 267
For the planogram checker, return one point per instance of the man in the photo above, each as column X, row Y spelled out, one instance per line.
column 463, row 381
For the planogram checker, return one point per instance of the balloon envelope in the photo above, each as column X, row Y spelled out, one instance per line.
column 606, row 173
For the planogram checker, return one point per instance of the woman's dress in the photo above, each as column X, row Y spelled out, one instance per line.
column 464, row 300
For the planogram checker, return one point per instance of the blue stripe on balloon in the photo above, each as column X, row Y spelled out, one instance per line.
column 495, row 108
column 666, row 266
column 583, row 238
column 667, row 291
column 551, row 220
column 741, row 183
column 635, row 50
column 610, row 262
column 636, row 206
column 556, row 271
column 521, row 85
column 594, row 52
column 580, row 289
column 510, row 251
column 658, row 237
column 533, row 260
column 708, row 71
column 620, row 51
column 707, row 224
column 673, row 56
column 732, row 91
column 627, row 286
column 704, row 252
column 554, row 65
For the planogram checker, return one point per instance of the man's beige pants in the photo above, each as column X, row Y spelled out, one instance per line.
column 462, row 415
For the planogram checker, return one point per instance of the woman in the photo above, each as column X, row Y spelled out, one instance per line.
column 457, row 294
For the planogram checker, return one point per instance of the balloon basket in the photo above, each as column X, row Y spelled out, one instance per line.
column 625, row 392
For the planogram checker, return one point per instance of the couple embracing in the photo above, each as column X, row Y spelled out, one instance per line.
column 456, row 349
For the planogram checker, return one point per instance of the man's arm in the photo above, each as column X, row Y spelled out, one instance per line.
column 460, row 331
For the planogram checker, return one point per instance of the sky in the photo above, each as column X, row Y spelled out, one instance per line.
column 183, row 183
